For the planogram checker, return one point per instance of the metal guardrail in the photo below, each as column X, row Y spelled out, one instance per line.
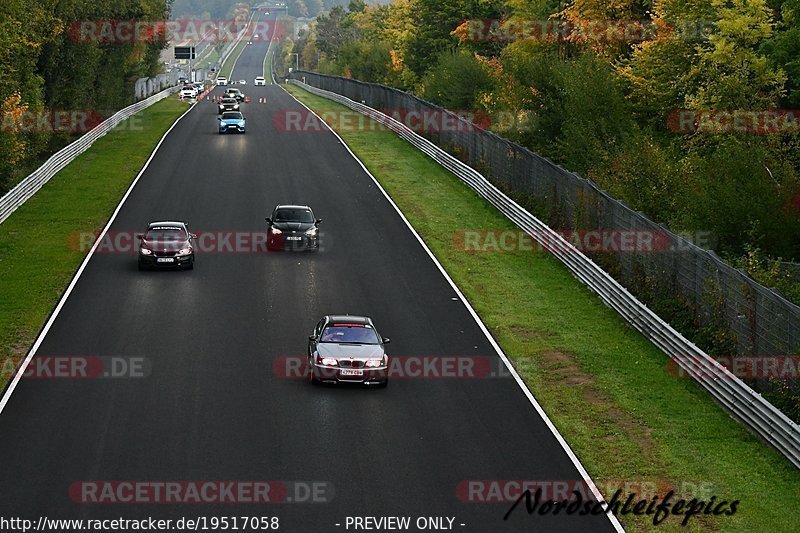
column 31, row 184
column 732, row 393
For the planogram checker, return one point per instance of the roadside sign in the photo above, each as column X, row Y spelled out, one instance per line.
column 185, row 52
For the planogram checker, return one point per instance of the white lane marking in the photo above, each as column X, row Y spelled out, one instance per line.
column 13, row 385
column 575, row 461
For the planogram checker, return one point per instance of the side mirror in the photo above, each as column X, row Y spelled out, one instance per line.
column 312, row 338
column 192, row 236
column 140, row 236
column 318, row 221
column 385, row 340
column 269, row 221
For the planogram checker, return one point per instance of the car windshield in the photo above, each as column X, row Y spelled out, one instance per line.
column 349, row 333
column 294, row 215
column 232, row 116
column 165, row 234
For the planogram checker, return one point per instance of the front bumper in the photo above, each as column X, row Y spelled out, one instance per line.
column 292, row 241
column 364, row 376
column 153, row 261
column 226, row 128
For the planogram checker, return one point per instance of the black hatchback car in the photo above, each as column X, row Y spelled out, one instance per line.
column 166, row 244
column 293, row 227
column 347, row 349
column 227, row 104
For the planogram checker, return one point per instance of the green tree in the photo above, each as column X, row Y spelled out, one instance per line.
column 457, row 81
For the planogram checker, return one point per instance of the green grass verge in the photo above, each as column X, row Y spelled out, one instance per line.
column 210, row 56
column 607, row 389
column 267, row 67
column 39, row 252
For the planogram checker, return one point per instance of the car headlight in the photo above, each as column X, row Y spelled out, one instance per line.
column 185, row 251
column 373, row 363
column 312, row 232
column 145, row 251
column 329, row 361
column 236, row 106
column 276, row 231
column 241, row 123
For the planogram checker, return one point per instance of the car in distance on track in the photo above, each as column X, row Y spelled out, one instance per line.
column 227, row 104
column 347, row 349
column 188, row 92
column 260, row 81
column 222, row 80
column 166, row 244
column 242, row 82
column 233, row 92
column 232, row 121
column 293, row 227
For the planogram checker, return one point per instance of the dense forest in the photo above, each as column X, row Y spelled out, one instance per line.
column 47, row 65
column 612, row 104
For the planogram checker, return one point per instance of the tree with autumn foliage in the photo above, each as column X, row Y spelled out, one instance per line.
column 43, row 65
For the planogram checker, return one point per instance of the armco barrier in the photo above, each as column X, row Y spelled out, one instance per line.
column 31, row 185
column 727, row 389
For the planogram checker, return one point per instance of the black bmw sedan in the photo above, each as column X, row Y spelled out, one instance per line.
column 166, row 244
column 293, row 227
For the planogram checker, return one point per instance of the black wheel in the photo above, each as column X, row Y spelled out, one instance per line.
column 141, row 267
column 191, row 266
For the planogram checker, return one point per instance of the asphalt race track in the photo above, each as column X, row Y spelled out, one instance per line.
column 213, row 406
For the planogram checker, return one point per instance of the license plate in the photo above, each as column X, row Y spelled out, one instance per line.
column 165, row 260
column 294, row 238
column 352, row 372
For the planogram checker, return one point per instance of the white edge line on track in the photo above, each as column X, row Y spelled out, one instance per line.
column 21, row 370
column 575, row 461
